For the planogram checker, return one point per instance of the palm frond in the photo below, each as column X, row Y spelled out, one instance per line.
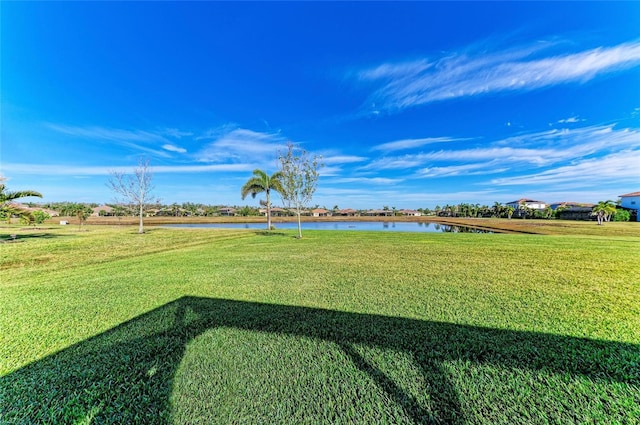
column 6, row 197
column 261, row 182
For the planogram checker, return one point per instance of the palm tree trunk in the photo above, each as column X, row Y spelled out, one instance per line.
column 268, row 211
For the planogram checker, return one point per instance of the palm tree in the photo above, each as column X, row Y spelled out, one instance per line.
column 261, row 182
column 497, row 209
column 604, row 210
column 476, row 210
column 7, row 197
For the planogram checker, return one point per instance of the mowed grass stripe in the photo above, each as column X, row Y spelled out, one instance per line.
column 69, row 249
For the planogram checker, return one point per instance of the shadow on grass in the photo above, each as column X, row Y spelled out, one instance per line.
column 270, row 233
column 127, row 374
column 8, row 236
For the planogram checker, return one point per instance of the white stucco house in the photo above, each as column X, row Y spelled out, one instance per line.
column 321, row 212
column 529, row 203
column 631, row 201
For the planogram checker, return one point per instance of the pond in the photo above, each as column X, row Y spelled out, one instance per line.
column 389, row 226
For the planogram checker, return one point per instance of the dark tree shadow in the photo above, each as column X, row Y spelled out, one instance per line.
column 6, row 236
column 270, row 233
column 125, row 375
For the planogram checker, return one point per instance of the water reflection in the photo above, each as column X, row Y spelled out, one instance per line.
column 390, row 226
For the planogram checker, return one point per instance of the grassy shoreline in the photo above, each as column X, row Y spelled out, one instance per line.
column 181, row 325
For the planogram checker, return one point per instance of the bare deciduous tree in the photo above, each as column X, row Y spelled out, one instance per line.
column 134, row 190
column 299, row 179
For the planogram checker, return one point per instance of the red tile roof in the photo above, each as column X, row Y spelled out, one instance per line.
column 630, row 194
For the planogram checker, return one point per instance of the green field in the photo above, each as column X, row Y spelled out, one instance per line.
column 218, row 326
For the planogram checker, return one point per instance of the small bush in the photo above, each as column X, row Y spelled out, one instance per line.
column 40, row 216
column 621, row 215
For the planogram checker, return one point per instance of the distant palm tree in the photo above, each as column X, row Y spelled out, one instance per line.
column 262, row 182
column 7, row 197
column 497, row 209
column 604, row 210
column 476, row 210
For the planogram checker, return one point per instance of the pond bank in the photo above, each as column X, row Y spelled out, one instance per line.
column 543, row 227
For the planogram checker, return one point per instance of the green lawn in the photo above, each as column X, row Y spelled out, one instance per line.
column 233, row 326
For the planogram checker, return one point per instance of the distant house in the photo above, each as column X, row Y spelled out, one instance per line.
column 227, row 211
column 410, row 213
column 528, row 203
column 52, row 213
column 631, row 201
column 348, row 212
column 24, row 207
column 275, row 212
column 383, row 213
column 320, row 212
column 284, row 212
column 573, row 210
column 102, row 210
column 171, row 212
column 566, row 205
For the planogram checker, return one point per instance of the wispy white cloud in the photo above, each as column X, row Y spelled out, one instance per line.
column 342, row 159
column 240, row 145
column 478, row 168
column 202, row 168
column 74, row 170
column 512, row 155
column 135, row 139
column 413, row 143
column 618, row 167
column 94, row 132
column 528, row 151
column 502, row 154
column 465, row 74
column 571, row 120
column 367, row 180
column 173, row 148
column 390, row 71
column 566, row 143
column 548, row 147
column 395, row 163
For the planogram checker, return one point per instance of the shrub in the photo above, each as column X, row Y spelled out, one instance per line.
column 39, row 217
column 621, row 215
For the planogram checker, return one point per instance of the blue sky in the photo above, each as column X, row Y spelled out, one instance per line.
column 410, row 104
